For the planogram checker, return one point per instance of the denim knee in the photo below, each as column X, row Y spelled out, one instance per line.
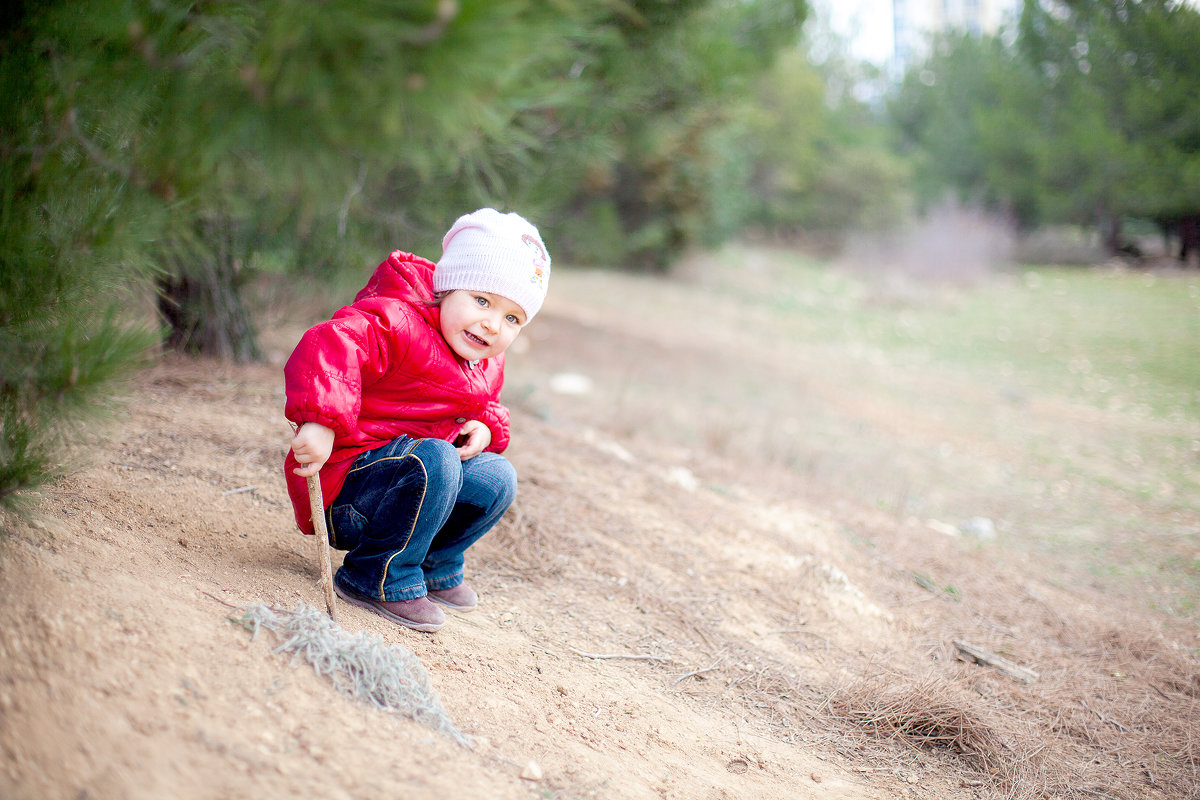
column 504, row 474
column 489, row 482
column 443, row 467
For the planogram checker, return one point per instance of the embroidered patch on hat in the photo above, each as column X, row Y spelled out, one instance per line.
column 540, row 259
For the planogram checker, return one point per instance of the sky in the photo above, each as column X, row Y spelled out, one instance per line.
column 866, row 25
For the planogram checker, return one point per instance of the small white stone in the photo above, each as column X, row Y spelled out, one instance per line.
column 571, row 383
column 979, row 527
column 532, row 772
column 683, row 478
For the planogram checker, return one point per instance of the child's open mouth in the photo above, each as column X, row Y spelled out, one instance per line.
column 475, row 340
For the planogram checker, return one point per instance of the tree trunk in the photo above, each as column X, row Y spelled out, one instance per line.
column 1114, row 242
column 1110, row 224
column 200, row 300
column 1189, row 238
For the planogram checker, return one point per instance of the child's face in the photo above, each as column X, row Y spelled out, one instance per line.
column 479, row 325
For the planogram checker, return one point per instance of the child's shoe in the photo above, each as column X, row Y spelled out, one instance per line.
column 418, row 613
column 458, row 598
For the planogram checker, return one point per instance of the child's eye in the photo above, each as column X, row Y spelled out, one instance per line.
column 512, row 319
column 481, row 300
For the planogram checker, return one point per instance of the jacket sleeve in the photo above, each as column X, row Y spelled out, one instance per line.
column 495, row 416
column 325, row 375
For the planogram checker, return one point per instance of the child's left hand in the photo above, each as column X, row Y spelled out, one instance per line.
column 475, row 436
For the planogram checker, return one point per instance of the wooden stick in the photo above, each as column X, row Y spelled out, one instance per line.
column 630, row 656
column 316, row 505
column 981, row 656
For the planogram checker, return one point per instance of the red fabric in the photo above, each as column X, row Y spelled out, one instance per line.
column 379, row 369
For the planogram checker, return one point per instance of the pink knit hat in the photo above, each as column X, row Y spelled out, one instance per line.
column 487, row 251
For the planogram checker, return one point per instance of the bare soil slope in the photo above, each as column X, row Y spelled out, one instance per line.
column 656, row 621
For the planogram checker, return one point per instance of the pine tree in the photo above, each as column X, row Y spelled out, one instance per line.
column 174, row 147
column 64, row 258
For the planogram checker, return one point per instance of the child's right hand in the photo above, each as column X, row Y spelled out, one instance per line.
column 312, row 446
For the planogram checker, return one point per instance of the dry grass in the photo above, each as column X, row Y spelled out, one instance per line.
column 1116, row 715
column 1088, row 582
column 518, row 548
column 1115, row 711
column 933, row 713
column 1132, row 698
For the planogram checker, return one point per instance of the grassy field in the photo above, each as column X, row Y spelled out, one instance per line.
column 1061, row 404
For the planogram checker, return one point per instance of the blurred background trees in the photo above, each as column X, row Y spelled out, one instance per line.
column 158, row 157
column 822, row 163
column 1088, row 116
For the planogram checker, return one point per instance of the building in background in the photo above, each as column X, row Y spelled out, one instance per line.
column 914, row 22
column 893, row 34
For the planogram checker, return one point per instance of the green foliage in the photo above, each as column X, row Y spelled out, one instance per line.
column 1090, row 117
column 823, row 162
column 255, row 125
column 935, row 112
column 185, row 146
column 280, row 123
column 63, row 339
column 653, row 142
column 1128, row 71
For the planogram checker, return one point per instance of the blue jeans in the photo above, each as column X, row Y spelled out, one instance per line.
column 409, row 510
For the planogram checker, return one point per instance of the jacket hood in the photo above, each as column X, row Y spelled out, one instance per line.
column 406, row 277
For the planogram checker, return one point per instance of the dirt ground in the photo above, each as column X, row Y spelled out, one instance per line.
column 656, row 622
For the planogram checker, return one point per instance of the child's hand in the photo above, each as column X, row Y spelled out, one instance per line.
column 312, row 445
column 477, row 437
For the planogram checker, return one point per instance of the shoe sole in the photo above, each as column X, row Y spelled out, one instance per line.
column 452, row 606
column 372, row 605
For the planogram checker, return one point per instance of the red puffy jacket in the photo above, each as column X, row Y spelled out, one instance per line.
column 379, row 369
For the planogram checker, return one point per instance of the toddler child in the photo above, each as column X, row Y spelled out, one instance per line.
column 397, row 402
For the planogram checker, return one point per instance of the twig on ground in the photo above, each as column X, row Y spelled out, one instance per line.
column 219, row 600
column 1094, row 791
column 694, row 673
column 803, row 632
column 1104, row 718
column 239, row 490
column 631, row 656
